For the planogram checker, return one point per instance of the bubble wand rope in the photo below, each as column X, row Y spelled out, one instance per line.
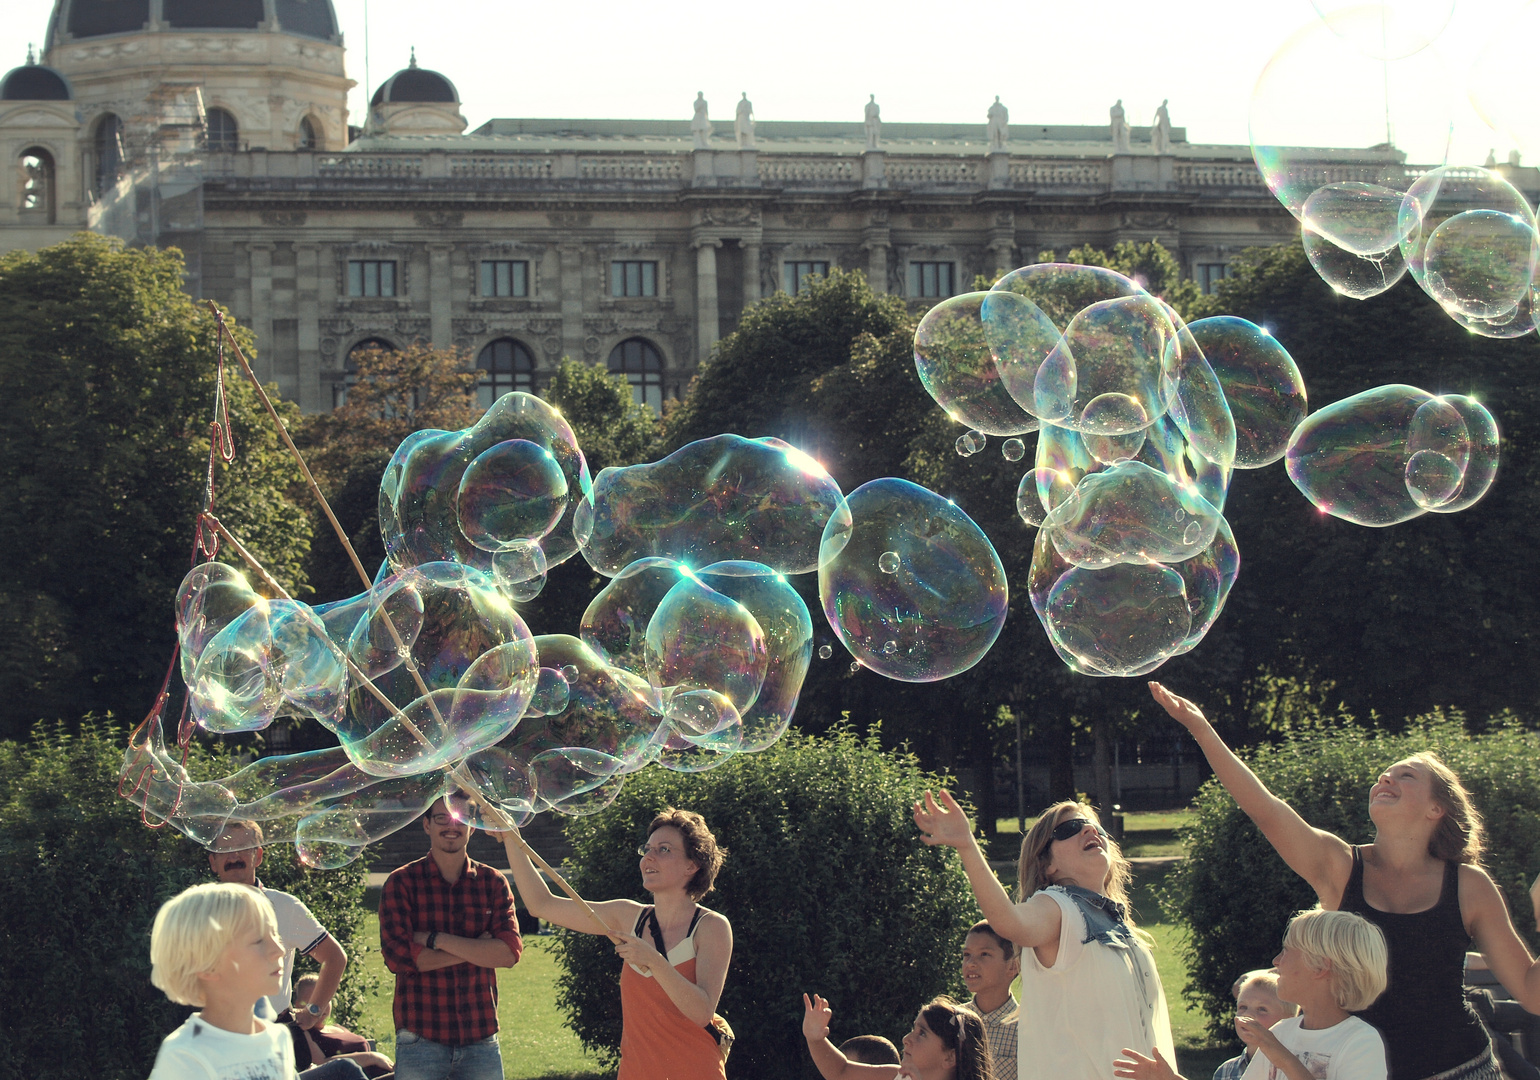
column 496, row 812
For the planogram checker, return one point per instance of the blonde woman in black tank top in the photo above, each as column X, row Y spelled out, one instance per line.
column 1419, row 881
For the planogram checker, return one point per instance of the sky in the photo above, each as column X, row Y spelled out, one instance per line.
column 1049, row 62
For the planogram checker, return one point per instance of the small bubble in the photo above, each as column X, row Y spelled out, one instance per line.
column 569, row 672
column 855, row 666
column 976, row 440
column 964, row 446
column 824, row 652
column 1013, row 449
column 889, row 648
column 888, row 562
column 1192, row 533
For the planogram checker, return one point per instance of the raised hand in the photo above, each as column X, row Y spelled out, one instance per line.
column 1135, row 1065
column 1182, row 711
column 816, row 1015
column 636, row 951
column 944, row 823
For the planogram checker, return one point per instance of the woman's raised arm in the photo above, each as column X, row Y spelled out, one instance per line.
column 544, row 904
column 1323, row 859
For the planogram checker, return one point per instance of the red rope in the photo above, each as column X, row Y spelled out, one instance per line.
column 221, row 446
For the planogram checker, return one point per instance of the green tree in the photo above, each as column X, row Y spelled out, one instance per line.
column 81, row 878
column 826, row 883
column 611, row 426
column 1235, row 894
column 107, row 381
column 1151, row 264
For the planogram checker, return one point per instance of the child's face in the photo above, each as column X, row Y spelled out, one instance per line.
column 250, row 967
column 985, row 969
column 925, row 1055
column 1258, row 1002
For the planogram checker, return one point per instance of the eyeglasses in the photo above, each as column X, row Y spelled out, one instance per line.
column 657, row 851
column 1074, row 827
column 445, row 819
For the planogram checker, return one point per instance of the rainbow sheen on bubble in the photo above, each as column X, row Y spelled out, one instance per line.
column 1261, row 384
column 957, row 368
column 942, row 609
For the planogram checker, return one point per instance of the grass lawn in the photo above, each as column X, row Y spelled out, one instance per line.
column 536, row 1044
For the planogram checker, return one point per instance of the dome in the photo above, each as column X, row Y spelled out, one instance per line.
column 34, row 82
column 96, row 18
column 412, row 84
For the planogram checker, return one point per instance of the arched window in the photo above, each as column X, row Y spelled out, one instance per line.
column 37, row 185
column 224, row 134
column 308, row 138
column 350, row 369
column 505, row 366
column 109, row 153
column 642, row 365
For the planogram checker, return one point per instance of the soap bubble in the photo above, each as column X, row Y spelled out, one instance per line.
column 958, row 370
column 970, row 443
column 1481, row 466
column 946, row 607
column 273, row 659
column 1013, row 449
column 701, row 639
column 514, row 491
column 1499, row 83
column 519, row 570
column 1351, row 458
column 211, row 596
column 1468, row 237
column 1130, row 513
column 468, row 650
column 825, row 651
column 1390, row 30
column 725, row 497
column 1199, row 408
column 888, row 562
column 1357, row 276
column 552, row 692
column 1029, row 506
column 1261, row 383
column 1359, row 218
column 1111, row 372
column 615, row 624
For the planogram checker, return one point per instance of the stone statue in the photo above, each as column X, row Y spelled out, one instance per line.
column 999, row 125
column 700, row 124
column 1160, row 132
column 1122, row 143
column 743, row 123
column 873, row 124
column 1514, row 158
column 1491, row 161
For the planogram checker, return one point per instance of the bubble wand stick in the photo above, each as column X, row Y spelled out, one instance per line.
column 505, row 824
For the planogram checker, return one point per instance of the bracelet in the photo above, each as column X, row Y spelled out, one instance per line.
column 432, row 937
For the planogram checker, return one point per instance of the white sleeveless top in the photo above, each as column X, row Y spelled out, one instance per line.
column 1078, row 1015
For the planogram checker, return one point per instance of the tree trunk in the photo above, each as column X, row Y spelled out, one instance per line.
column 1059, row 736
column 984, row 775
column 1101, row 731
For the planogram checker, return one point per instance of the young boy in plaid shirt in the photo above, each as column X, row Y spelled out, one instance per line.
column 446, row 925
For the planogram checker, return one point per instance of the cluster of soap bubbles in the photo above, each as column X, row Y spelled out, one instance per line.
column 1141, row 420
column 695, row 649
column 1466, row 235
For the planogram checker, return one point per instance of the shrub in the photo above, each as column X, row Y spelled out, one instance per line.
column 81, row 878
column 827, row 885
column 1235, row 894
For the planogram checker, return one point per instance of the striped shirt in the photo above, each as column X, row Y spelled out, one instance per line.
column 454, row 1005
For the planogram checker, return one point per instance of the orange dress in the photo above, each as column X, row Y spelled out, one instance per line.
column 658, row 1042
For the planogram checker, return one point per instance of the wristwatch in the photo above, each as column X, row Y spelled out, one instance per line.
column 312, row 1008
column 432, row 937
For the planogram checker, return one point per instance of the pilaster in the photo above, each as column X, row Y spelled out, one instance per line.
column 571, row 299
column 706, row 314
column 261, row 253
column 440, row 305
column 307, row 300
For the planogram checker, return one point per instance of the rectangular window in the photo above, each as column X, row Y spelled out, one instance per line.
column 371, row 277
column 633, row 278
column 930, row 279
column 794, row 275
column 1209, row 275
column 503, row 277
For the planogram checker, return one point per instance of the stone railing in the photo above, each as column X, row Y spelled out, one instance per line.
column 502, row 167
column 628, row 167
column 1216, row 174
column 793, row 170
column 1070, row 173
column 922, row 171
column 369, row 166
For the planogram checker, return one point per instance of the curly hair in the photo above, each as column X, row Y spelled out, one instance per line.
column 700, row 847
column 961, row 1031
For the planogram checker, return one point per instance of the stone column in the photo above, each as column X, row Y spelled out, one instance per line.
column 262, row 306
column 750, row 273
column 1002, row 241
column 876, row 238
column 307, row 302
column 572, row 299
column 706, row 314
column 440, row 305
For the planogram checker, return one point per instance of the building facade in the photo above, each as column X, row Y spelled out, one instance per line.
column 221, row 126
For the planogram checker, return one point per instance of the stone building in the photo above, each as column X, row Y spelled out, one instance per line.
column 221, row 126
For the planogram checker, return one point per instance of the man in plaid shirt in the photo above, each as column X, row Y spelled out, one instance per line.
column 446, row 925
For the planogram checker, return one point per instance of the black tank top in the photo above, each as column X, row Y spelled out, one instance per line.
column 1428, row 1028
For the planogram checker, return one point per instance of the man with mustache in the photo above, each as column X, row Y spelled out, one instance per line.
column 234, row 858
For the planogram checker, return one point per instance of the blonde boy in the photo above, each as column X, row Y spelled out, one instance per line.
column 1256, row 998
column 1332, row 962
column 216, row 946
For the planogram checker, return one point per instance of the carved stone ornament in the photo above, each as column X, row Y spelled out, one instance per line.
column 1135, row 220
column 284, row 219
column 439, row 219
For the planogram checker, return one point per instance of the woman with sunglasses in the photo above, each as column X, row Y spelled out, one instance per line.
column 676, row 952
column 1420, row 882
column 1088, row 983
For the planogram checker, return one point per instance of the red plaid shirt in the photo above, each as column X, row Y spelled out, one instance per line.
column 454, row 1005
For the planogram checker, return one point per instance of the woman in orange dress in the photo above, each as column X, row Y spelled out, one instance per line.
column 675, row 951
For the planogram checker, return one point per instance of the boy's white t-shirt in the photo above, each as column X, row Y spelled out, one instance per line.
column 200, row 1051
column 1351, row 1050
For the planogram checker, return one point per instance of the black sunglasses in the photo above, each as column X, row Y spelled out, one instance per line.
column 1064, row 830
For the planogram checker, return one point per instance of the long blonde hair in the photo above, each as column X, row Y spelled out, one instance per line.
column 1460, row 835
column 1032, row 871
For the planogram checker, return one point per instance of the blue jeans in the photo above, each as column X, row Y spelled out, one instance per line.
column 423, row 1059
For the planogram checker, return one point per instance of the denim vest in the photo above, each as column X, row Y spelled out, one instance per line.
column 1103, row 917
